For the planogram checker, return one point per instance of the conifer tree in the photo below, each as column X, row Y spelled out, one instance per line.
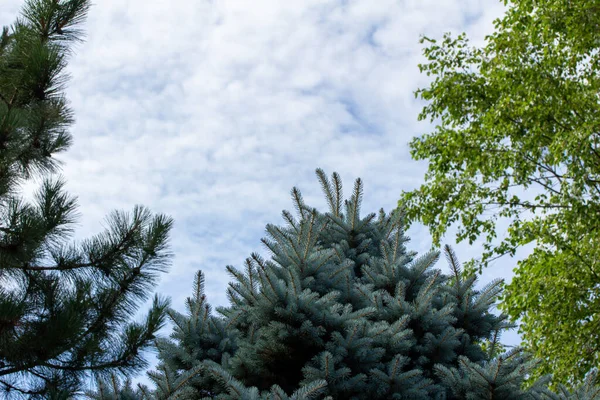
column 341, row 310
column 65, row 308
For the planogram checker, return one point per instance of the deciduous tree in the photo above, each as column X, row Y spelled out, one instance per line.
column 516, row 138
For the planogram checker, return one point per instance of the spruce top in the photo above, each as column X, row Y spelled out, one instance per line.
column 342, row 310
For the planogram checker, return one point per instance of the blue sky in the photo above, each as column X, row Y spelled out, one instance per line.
column 212, row 110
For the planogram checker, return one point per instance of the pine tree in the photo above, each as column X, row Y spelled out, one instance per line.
column 342, row 310
column 65, row 308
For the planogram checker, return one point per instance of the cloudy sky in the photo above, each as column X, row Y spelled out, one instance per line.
column 212, row 110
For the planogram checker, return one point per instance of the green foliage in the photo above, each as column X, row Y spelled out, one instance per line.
column 65, row 308
column 341, row 310
column 517, row 140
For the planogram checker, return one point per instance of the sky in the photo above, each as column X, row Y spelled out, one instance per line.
column 212, row 110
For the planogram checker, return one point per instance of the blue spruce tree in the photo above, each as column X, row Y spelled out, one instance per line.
column 342, row 310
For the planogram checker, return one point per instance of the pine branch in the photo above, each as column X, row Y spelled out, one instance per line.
column 355, row 202
column 327, row 189
column 199, row 287
column 308, row 240
column 397, row 243
column 10, row 387
column 290, row 220
column 311, row 390
column 453, row 262
column 337, row 183
column 298, row 202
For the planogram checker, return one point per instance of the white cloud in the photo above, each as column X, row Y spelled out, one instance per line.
column 210, row 111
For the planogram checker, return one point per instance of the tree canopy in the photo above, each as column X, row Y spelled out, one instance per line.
column 342, row 310
column 516, row 139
